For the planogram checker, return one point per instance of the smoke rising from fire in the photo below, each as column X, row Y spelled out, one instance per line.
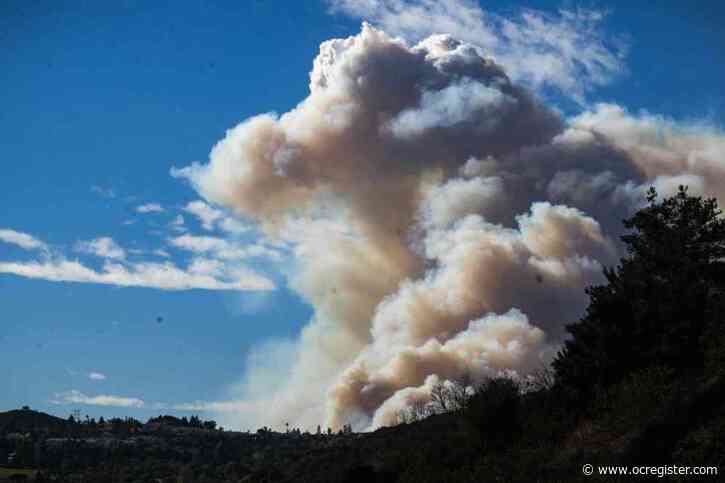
column 443, row 220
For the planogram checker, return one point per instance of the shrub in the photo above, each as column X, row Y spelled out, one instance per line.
column 493, row 409
column 635, row 399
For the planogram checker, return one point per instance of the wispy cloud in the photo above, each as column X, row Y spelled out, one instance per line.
column 223, row 249
column 178, row 223
column 96, row 376
column 212, row 218
column 567, row 50
column 210, row 406
column 103, row 247
column 207, row 215
column 231, row 225
column 77, row 397
column 117, row 271
column 150, row 208
column 164, row 276
column 23, row 240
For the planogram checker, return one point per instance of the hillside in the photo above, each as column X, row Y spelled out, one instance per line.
column 25, row 420
column 639, row 384
column 644, row 419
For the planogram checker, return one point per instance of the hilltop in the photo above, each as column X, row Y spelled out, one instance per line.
column 639, row 383
column 25, row 420
column 651, row 417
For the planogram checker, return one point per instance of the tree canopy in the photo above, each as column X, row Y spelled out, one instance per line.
column 659, row 302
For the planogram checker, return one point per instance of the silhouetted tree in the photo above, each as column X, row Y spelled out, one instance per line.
column 450, row 396
column 656, row 304
column 195, row 422
column 493, row 408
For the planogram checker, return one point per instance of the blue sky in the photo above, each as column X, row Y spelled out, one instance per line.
column 101, row 99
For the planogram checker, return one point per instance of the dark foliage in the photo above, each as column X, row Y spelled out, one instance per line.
column 494, row 409
column 658, row 303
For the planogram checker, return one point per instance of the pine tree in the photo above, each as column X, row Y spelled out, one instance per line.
column 656, row 304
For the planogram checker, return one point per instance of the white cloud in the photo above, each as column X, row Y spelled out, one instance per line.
column 201, row 244
column 206, row 266
column 96, row 376
column 178, row 223
column 116, row 270
column 231, row 225
column 23, row 240
column 567, row 50
column 211, row 217
column 164, row 276
column 223, row 249
column 77, row 397
column 206, row 214
column 150, row 208
column 103, row 247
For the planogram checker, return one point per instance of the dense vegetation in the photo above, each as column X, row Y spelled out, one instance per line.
column 659, row 304
column 641, row 381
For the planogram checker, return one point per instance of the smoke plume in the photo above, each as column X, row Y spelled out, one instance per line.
column 444, row 221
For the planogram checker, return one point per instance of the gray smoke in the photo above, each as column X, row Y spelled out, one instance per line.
column 444, row 221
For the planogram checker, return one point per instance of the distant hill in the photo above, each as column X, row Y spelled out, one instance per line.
column 24, row 420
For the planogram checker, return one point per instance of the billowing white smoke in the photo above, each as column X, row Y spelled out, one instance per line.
column 444, row 221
